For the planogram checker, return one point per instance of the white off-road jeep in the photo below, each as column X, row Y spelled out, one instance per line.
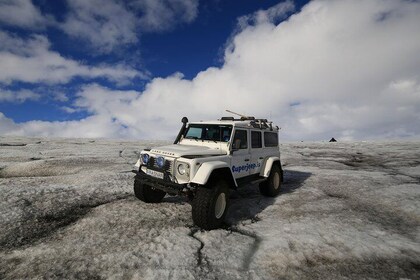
column 208, row 159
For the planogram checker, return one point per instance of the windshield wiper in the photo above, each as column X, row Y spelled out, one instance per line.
column 192, row 137
column 210, row 140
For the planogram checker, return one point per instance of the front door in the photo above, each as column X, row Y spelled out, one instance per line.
column 240, row 157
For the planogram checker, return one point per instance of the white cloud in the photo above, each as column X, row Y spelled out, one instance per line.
column 18, row 96
column 7, row 126
column 348, row 69
column 69, row 110
column 109, row 24
column 60, row 96
column 21, row 13
column 164, row 14
column 31, row 60
column 105, row 24
column 92, row 127
column 273, row 14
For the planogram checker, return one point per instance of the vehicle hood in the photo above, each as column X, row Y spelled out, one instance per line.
column 177, row 150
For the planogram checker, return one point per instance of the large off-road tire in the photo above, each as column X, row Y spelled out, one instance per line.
column 271, row 187
column 147, row 194
column 210, row 204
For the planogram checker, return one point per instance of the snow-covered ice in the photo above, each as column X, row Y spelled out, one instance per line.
column 346, row 210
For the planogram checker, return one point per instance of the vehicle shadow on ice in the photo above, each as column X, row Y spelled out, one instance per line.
column 247, row 202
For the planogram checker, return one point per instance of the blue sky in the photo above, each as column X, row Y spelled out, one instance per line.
column 128, row 69
column 188, row 47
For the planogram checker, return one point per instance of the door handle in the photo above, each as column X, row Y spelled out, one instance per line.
column 247, row 159
column 261, row 158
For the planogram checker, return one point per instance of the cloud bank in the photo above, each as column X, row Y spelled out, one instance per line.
column 18, row 96
column 21, row 13
column 347, row 69
column 31, row 60
column 105, row 25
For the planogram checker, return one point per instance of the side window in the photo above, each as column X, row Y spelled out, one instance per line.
column 256, row 141
column 271, row 139
column 240, row 140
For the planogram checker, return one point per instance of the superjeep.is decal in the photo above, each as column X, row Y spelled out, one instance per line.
column 245, row 167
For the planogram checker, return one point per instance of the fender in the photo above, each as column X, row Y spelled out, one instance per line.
column 266, row 168
column 206, row 169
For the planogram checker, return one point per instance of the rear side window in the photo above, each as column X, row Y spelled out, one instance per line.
column 256, row 141
column 271, row 139
column 240, row 141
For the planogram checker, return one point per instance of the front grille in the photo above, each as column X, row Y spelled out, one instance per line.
column 151, row 162
column 167, row 167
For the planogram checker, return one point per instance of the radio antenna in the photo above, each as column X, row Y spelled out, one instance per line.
column 242, row 116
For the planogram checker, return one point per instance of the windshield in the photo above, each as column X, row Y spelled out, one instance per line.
column 211, row 132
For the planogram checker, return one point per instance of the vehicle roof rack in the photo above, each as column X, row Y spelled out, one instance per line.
column 256, row 123
column 262, row 124
column 247, row 118
column 243, row 117
column 227, row 119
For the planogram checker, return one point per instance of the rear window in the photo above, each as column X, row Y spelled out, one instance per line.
column 271, row 139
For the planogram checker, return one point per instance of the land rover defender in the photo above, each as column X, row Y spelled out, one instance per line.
column 207, row 160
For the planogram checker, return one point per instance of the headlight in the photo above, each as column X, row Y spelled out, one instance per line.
column 160, row 162
column 183, row 168
column 145, row 158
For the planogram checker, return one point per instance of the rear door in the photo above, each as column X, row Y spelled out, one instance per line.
column 257, row 152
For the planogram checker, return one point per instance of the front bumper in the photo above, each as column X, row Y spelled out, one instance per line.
column 162, row 184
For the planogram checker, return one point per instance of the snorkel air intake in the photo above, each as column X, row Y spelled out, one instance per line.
column 182, row 130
